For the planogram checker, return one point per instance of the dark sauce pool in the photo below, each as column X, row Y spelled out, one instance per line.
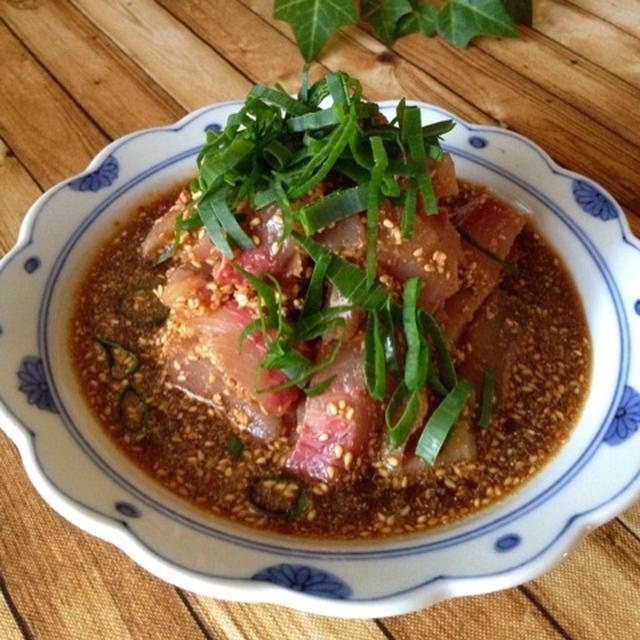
column 184, row 443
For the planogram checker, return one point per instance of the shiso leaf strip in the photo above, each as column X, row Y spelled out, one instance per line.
column 442, row 421
column 488, row 386
column 276, row 149
column 375, row 366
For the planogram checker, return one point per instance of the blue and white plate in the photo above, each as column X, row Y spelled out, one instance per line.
column 86, row 478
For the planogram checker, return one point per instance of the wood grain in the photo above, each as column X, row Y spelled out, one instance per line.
column 18, row 191
column 622, row 13
column 572, row 592
column 235, row 621
column 586, row 86
column 518, row 617
column 601, row 42
column 363, row 59
column 110, row 87
column 148, row 34
column 9, row 629
column 68, row 584
column 54, row 122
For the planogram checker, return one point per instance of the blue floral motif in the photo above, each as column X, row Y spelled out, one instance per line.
column 103, row 176
column 627, row 419
column 305, row 579
column 478, row 142
column 593, row 201
column 33, row 383
column 636, row 307
column 214, row 126
column 31, row 264
column 127, row 509
column 507, row 542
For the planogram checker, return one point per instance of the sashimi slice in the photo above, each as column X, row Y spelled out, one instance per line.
column 218, row 336
column 338, row 424
column 494, row 226
column 198, row 377
column 281, row 260
column 431, row 254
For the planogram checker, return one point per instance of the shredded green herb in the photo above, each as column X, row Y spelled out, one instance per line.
column 278, row 149
column 488, row 385
column 442, row 421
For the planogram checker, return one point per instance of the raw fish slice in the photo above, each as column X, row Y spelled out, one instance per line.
column 199, row 378
column 494, row 226
column 338, row 424
column 183, row 283
column 432, row 254
column 281, row 261
column 217, row 335
column 161, row 234
column 443, row 177
column 346, row 237
column 493, row 339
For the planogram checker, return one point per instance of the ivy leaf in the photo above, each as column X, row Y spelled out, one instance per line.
column 423, row 19
column 461, row 20
column 314, row 21
column 519, row 10
column 383, row 15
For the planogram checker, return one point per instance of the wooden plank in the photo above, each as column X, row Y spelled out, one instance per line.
column 579, row 82
column 572, row 139
column 18, row 192
column 499, row 616
column 67, row 584
column 64, row 582
column 242, row 34
column 9, row 629
column 625, row 14
column 196, row 76
column 111, row 88
column 54, row 120
column 235, row 621
column 586, row 34
column 594, row 593
column 631, row 519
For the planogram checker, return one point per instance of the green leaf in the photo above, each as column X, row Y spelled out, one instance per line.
column 314, row 21
column 422, row 20
column 383, row 16
column 375, row 370
column 461, row 20
column 519, row 10
column 442, row 421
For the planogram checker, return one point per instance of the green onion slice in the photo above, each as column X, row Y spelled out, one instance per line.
column 380, row 163
column 234, row 446
column 416, row 367
column 348, row 279
column 123, row 362
column 374, row 358
column 336, row 206
column 407, row 403
column 445, row 361
column 442, row 421
column 488, row 386
column 132, row 410
column 279, row 98
column 315, row 290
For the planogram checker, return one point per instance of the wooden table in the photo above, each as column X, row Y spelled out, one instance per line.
column 76, row 74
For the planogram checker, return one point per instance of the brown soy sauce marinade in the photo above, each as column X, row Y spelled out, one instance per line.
column 184, row 443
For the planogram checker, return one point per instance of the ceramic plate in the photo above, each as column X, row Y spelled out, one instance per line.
column 82, row 474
